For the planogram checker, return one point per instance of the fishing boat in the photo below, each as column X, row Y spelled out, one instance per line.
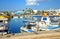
column 3, row 24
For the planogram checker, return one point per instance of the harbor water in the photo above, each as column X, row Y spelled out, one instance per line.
column 16, row 23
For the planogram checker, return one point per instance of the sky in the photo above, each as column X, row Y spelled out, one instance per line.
column 11, row 5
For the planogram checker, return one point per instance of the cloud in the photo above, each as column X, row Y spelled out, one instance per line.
column 33, row 2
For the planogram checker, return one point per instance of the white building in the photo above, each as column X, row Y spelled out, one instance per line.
column 35, row 11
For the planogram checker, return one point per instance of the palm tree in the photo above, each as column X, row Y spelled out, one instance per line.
column 54, row 12
column 8, row 15
column 42, row 12
column 39, row 13
column 30, row 12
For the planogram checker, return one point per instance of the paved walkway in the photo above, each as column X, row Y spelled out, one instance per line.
column 39, row 35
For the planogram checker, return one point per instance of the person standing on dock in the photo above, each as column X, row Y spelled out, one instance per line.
column 37, row 26
column 29, row 25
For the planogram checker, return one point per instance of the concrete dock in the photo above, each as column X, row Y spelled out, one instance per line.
column 38, row 35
